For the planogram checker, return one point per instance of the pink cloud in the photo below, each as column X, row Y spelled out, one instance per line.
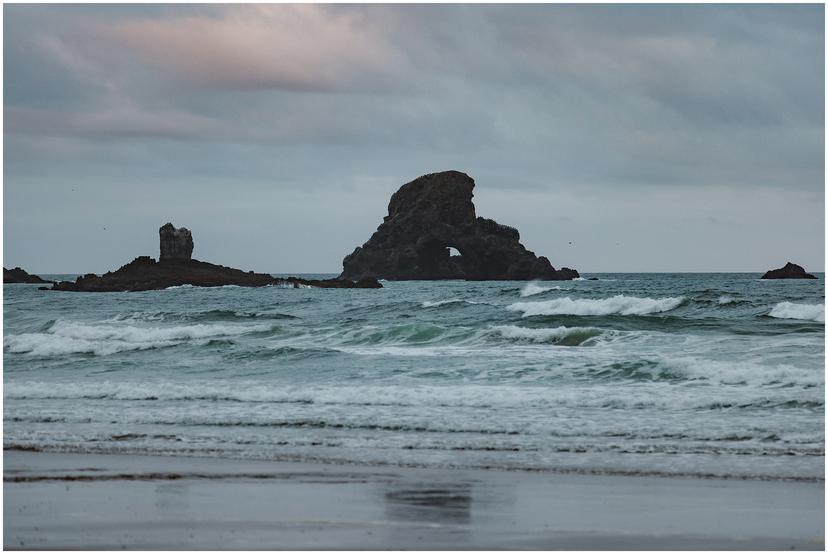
column 302, row 47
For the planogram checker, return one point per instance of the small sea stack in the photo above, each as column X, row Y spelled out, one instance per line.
column 790, row 271
column 427, row 219
column 175, row 267
column 18, row 275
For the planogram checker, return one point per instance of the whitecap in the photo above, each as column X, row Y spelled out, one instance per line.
column 534, row 288
column 291, row 285
column 570, row 336
column 66, row 337
column 726, row 300
column 619, row 304
column 432, row 304
column 790, row 310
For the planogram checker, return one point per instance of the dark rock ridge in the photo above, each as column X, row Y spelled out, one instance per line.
column 177, row 268
column 18, row 275
column 432, row 214
column 790, row 271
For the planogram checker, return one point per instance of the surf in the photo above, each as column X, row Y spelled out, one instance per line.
column 791, row 310
column 616, row 305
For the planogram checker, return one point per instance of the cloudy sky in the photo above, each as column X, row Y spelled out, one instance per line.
column 654, row 138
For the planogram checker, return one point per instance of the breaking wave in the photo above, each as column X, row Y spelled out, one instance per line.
column 208, row 315
column 66, row 337
column 434, row 304
column 565, row 336
column 789, row 310
column 619, row 304
column 533, row 288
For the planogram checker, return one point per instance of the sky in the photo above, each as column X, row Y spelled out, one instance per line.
column 650, row 137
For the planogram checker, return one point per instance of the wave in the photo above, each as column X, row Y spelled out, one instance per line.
column 411, row 333
column 735, row 373
column 291, row 285
column 619, row 304
column 208, row 315
column 434, row 304
column 789, row 310
column 565, row 336
column 533, row 288
column 66, row 337
column 723, row 300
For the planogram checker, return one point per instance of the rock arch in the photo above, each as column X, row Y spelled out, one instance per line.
column 428, row 216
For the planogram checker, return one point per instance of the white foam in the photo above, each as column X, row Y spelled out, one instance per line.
column 66, row 337
column 619, row 304
column 553, row 335
column 188, row 286
column 290, row 285
column 737, row 372
column 533, row 288
column 726, row 300
column 432, row 304
column 139, row 316
column 789, row 310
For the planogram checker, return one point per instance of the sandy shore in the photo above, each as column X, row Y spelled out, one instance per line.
column 69, row 501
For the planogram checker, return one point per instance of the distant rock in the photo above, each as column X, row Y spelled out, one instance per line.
column 18, row 275
column 592, row 279
column 176, row 244
column 432, row 214
column 175, row 268
column 790, row 271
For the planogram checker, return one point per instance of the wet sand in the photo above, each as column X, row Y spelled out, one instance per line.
column 86, row 501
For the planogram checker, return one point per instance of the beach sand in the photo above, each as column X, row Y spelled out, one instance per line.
column 86, row 501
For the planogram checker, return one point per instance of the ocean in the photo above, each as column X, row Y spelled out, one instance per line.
column 706, row 375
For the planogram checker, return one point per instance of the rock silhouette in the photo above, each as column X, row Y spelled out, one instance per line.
column 18, row 275
column 790, row 271
column 176, row 244
column 175, row 268
column 432, row 214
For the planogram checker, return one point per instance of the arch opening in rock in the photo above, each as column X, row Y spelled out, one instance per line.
column 433, row 232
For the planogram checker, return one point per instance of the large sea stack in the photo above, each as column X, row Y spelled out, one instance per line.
column 432, row 214
column 176, row 244
column 790, row 271
column 175, row 267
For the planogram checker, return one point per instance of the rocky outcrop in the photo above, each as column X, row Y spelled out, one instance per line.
column 18, row 275
column 176, row 244
column 176, row 268
column 790, row 271
column 432, row 214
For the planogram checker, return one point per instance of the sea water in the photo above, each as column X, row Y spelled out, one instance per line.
column 714, row 375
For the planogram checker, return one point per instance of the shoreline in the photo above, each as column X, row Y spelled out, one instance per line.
column 93, row 501
column 378, row 465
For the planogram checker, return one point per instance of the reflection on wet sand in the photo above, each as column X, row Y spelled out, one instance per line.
column 429, row 503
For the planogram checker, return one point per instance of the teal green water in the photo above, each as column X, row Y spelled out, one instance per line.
column 680, row 374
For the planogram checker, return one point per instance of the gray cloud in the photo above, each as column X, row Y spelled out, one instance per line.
column 297, row 123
